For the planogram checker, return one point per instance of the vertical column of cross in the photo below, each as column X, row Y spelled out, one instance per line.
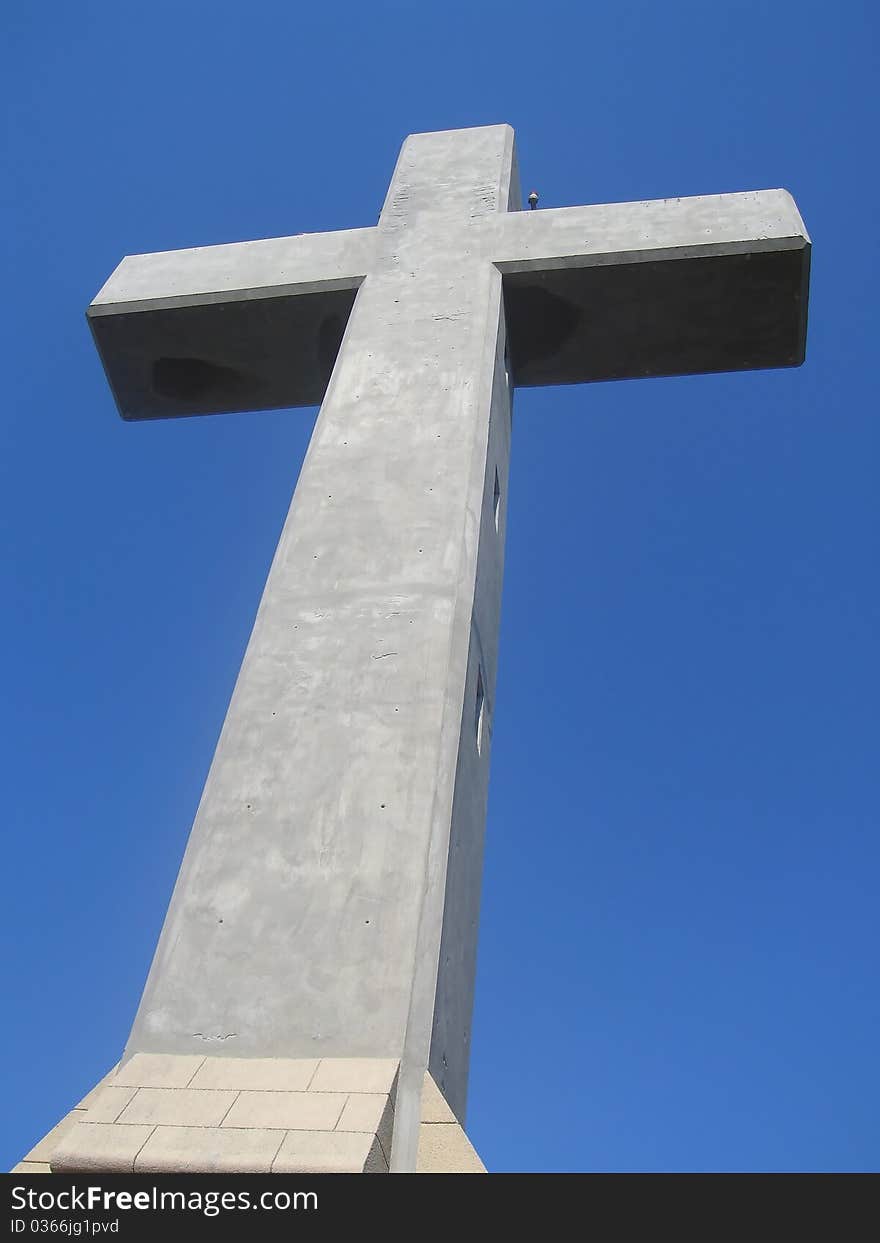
column 309, row 911
column 454, row 186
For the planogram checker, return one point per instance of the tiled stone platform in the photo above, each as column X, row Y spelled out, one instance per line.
column 163, row 1113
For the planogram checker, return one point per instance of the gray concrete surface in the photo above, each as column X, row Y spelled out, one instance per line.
column 327, row 905
column 715, row 282
column 251, row 325
column 307, row 917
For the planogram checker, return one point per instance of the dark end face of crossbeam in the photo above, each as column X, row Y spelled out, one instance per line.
column 217, row 358
column 661, row 318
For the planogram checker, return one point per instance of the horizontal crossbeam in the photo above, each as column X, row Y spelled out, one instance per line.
column 609, row 291
column 215, row 329
column 665, row 287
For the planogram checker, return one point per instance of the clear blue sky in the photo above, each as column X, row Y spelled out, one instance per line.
column 678, row 963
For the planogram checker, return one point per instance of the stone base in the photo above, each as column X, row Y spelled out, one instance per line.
column 164, row 1114
column 443, row 1146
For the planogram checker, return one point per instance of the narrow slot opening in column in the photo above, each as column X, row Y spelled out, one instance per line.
column 479, row 711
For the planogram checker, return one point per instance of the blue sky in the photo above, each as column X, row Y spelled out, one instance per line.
column 679, row 936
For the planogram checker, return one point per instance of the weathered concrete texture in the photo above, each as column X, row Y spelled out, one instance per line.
column 609, row 291
column 140, row 1128
column 612, row 291
column 326, row 910
column 249, row 326
column 307, row 916
column 451, row 1033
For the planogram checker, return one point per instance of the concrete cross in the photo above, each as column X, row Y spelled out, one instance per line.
column 327, row 904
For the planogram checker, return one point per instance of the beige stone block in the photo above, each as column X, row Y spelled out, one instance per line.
column 31, row 1167
column 287, row 1111
column 445, row 1149
column 434, row 1105
column 107, row 1103
column 355, row 1074
column 208, row 1150
column 42, row 1151
column 177, row 1107
column 260, row 1074
column 157, row 1070
column 104, row 1147
column 89, row 1097
column 333, row 1152
column 363, row 1112
column 369, row 1112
